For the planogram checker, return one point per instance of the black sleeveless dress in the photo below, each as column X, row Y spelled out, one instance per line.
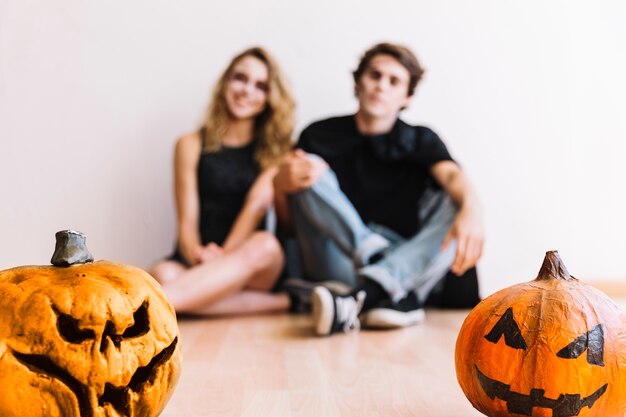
column 224, row 179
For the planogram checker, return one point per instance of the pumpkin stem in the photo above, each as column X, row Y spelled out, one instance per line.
column 70, row 249
column 554, row 268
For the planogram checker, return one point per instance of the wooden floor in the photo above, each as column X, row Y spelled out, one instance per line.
column 274, row 366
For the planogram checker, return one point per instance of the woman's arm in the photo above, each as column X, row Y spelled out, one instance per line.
column 258, row 201
column 186, row 157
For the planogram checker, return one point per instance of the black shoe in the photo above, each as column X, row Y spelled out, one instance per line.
column 300, row 292
column 334, row 313
column 390, row 315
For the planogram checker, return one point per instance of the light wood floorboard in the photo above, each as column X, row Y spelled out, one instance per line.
column 274, row 366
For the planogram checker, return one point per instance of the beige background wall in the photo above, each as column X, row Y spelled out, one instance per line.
column 529, row 96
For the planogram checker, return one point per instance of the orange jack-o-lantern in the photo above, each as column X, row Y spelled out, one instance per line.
column 85, row 339
column 551, row 347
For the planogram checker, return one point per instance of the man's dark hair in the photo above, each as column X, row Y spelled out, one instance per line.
column 401, row 53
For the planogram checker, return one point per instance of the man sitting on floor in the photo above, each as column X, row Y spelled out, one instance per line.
column 377, row 203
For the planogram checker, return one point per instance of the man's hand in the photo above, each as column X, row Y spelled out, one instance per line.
column 467, row 229
column 297, row 172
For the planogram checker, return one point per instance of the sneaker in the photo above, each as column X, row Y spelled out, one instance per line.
column 390, row 315
column 300, row 292
column 334, row 313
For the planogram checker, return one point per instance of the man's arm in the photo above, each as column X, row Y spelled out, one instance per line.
column 467, row 227
column 297, row 172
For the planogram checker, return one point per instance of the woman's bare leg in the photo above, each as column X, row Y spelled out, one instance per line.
column 247, row 302
column 255, row 265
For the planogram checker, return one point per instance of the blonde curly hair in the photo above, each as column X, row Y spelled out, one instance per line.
column 273, row 128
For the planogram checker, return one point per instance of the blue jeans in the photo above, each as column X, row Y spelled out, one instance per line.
column 335, row 244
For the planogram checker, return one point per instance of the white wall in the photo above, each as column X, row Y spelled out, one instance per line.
column 529, row 96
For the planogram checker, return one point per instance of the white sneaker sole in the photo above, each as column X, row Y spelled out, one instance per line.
column 323, row 309
column 382, row 318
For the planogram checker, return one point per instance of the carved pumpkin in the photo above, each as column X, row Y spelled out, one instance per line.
column 551, row 347
column 85, row 339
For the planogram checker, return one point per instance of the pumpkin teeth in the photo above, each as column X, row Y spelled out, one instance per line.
column 118, row 397
column 566, row 405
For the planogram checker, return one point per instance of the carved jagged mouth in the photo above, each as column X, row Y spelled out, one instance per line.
column 43, row 365
column 566, row 405
column 118, row 397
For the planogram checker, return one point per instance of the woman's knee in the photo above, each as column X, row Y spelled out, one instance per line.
column 266, row 260
column 264, row 250
column 166, row 271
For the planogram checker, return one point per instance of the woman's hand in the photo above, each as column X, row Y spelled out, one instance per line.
column 210, row 251
column 192, row 254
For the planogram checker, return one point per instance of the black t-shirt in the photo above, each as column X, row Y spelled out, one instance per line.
column 384, row 175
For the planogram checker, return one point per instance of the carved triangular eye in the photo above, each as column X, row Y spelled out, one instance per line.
column 141, row 324
column 592, row 342
column 69, row 328
column 508, row 327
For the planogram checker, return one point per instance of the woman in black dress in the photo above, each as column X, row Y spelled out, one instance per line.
column 224, row 263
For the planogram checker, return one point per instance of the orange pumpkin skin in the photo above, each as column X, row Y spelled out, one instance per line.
column 91, row 340
column 558, row 319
